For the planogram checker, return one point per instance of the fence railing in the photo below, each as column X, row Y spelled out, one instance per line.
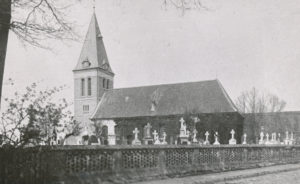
column 74, row 164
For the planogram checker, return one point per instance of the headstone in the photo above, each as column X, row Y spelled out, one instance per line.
column 147, row 134
column 278, row 139
column 111, row 134
column 182, row 128
column 286, row 140
column 183, row 136
column 206, row 142
column 195, row 136
column 136, row 140
column 273, row 138
column 232, row 140
column 156, row 138
column 245, row 139
column 216, row 139
column 164, row 137
column 261, row 140
column 267, row 141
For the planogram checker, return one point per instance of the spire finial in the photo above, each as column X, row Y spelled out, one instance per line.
column 94, row 6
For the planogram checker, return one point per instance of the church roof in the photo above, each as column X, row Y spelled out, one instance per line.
column 164, row 100
column 93, row 51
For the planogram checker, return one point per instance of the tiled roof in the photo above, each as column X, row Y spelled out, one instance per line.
column 164, row 100
column 93, row 49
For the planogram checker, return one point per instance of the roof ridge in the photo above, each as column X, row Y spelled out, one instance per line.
column 163, row 84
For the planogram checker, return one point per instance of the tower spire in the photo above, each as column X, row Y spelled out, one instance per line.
column 93, row 54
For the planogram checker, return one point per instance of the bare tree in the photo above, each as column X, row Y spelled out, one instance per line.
column 253, row 101
column 33, row 21
column 185, row 5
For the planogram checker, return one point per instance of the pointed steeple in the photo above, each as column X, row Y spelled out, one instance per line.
column 93, row 54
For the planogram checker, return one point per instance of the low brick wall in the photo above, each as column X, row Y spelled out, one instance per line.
column 120, row 164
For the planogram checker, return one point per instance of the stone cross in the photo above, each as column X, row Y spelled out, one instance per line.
column 195, row 135
column 232, row 134
column 164, row 138
column 156, row 140
column 136, row 141
column 206, row 138
column 245, row 139
column 232, row 140
column 267, row 136
column 148, row 130
column 136, row 132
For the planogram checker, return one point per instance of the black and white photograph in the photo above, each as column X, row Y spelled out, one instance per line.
column 149, row 92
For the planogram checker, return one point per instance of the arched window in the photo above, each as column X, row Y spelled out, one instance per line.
column 89, row 86
column 82, row 87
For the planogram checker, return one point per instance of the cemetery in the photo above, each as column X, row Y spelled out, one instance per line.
column 145, row 159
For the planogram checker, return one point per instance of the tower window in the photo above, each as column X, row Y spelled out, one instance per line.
column 82, row 87
column 89, row 86
column 103, row 82
column 86, row 109
column 107, row 84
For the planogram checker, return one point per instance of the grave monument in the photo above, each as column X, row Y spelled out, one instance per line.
column 232, row 140
column 136, row 140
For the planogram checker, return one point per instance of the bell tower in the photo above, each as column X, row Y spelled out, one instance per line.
column 93, row 75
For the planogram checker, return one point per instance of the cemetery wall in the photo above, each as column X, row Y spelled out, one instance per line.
column 223, row 123
column 95, row 164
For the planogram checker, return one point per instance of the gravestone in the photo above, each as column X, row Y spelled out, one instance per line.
column 232, row 140
column 216, row 139
column 286, row 140
column 273, row 138
column 183, row 136
column 111, row 134
column 245, row 139
column 261, row 140
column 206, row 142
column 156, row 138
column 195, row 136
column 267, row 140
column 136, row 140
column 164, row 137
column 147, row 134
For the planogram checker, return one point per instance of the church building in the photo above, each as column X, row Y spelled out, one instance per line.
column 204, row 105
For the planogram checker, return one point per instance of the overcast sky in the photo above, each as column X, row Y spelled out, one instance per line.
column 244, row 43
